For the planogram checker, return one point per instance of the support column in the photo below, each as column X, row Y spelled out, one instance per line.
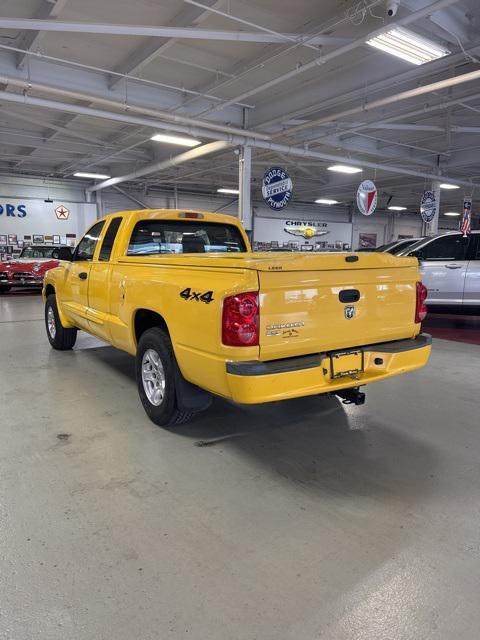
column 99, row 202
column 244, row 187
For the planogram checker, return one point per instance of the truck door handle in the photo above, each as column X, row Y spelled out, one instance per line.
column 453, row 266
column 83, row 275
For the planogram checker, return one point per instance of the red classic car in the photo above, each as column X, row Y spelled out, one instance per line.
column 28, row 270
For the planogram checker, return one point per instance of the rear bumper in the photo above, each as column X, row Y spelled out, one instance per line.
column 257, row 382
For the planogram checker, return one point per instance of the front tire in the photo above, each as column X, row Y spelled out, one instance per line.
column 156, row 379
column 60, row 338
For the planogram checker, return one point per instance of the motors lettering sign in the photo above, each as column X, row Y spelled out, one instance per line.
column 13, row 211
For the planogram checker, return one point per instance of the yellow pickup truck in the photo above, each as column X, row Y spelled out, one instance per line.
column 183, row 292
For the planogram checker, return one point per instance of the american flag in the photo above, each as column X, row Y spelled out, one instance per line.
column 465, row 225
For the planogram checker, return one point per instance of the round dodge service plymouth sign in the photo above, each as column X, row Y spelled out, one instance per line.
column 277, row 188
column 428, row 206
column 367, row 197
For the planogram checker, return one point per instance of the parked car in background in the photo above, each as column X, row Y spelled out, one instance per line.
column 450, row 268
column 393, row 247
column 29, row 269
column 396, row 246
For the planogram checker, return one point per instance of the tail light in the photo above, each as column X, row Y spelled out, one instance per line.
column 240, row 320
column 421, row 307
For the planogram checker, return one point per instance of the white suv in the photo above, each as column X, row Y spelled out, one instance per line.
column 450, row 267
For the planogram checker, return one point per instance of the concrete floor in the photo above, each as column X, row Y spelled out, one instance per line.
column 307, row 520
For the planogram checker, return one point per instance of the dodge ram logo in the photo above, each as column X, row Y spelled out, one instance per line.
column 349, row 312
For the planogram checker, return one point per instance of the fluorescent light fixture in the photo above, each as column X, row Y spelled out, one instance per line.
column 94, row 176
column 408, row 46
column 183, row 142
column 233, row 192
column 445, row 185
column 451, row 213
column 397, row 208
column 326, row 201
column 344, row 168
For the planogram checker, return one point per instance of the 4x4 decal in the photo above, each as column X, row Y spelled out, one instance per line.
column 188, row 294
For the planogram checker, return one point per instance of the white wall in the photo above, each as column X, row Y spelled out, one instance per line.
column 72, row 191
column 28, row 216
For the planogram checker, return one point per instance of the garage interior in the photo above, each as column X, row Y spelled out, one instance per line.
column 306, row 518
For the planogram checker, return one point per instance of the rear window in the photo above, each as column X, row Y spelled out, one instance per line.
column 152, row 237
column 40, row 252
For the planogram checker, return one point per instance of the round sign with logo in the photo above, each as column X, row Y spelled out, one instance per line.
column 428, row 206
column 367, row 197
column 277, row 188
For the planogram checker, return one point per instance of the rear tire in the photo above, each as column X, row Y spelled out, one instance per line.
column 4, row 288
column 156, row 379
column 60, row 338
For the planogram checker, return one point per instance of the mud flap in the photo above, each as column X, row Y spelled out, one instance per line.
column 189, row 397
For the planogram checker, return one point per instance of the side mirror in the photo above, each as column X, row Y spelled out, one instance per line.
column 416, row 254
column 64, row 253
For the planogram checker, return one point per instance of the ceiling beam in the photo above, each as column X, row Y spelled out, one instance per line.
column 180, row 33
column 323, row 59
column 150, row 50
column 382, row 102
column 240, row 140
column 31, row 39
column 187, row 156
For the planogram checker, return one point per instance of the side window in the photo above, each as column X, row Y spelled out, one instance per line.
column 476, row 246
column 446, row 248
column 109, row 239
column 86, row 246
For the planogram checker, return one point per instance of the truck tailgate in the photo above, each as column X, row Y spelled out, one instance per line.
column 302, row 311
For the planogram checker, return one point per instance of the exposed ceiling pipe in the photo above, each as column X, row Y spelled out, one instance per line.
column 413, row 74
column 118, row 117
column 191, row 154
column 27, row 24
column 424, row 110
column 321, row 60
column 131, row 108
column 382, row 102
column 232, row 140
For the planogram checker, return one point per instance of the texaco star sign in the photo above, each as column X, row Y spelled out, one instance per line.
column 62, row 212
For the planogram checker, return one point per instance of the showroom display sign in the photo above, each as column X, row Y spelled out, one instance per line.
column 37, row 217
column 307, row 230
column 277, row 188
column 13, row 210
column 303, row 234
column 428, row 206
column 367, row 197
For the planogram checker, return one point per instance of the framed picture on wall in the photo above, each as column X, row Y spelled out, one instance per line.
column 3, row 239
column 367, row 240
column 12, row 239
column 56, row 239
column 307, row 247
column 48, row 238
column 37, row 238
column 27, row 238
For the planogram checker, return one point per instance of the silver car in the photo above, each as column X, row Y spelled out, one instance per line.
column 450, row 267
